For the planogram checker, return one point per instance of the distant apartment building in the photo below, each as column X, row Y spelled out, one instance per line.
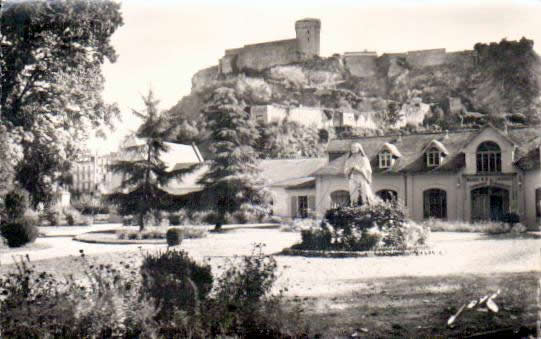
column 312, row 116
column 91, row 173
column 354, row 119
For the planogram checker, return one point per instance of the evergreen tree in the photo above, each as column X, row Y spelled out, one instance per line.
column 144, row 173
column 233, row 177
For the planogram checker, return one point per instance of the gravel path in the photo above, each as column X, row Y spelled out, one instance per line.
column 462, row 253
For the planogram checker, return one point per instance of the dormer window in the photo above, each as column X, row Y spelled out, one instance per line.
column 434, row 152
column 385, row 159
column 433, row 157
column 387, row 155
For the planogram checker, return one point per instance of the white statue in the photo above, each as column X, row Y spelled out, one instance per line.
column 359, row 173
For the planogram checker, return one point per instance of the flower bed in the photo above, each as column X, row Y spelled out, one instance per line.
column 380, row 228
column 389, row 252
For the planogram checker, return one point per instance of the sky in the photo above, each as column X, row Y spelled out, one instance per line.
column 163, row 43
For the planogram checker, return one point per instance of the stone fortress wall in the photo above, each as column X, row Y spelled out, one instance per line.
column 365, row 64
column 258, row 57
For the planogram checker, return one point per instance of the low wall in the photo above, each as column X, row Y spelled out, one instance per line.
column 262, row 56
column 424, row 58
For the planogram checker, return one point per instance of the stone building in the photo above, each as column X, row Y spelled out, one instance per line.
column 464, row 175
column 90, row 172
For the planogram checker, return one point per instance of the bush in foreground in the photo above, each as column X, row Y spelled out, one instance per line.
column 106, row 303
column 172, row 296
column 176, row 282
column 19, row 233
column 242, row 304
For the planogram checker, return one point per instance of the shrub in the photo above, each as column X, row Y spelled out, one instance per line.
column 518, row 228
column 169, row 298
column 88, row 220
column 106, row 304
column 20, row 232
column 121, row 235
column 53, row 216
column 175, row 281
column 198, row 217
column 415, row 234
column 212, row 218
column 134, row 235
column 127, row 220
column 298, row 225
column 31, row 216
column 73, row 217
column 15, row 204
column 87, row 205
column 511, row 218
column 497, row 228
column 249, row 213
column 274, row 219
column 351, row 224
column 315, row 239
column 193, row 232
column 243, row 305
column 175, row 219
column 174, row 236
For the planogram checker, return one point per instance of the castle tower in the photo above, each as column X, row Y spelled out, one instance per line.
column 308, row 37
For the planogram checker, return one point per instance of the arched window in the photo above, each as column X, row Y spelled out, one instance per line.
column 339, row 199
column 489, row 158
column 387, row 195
column 435, row 203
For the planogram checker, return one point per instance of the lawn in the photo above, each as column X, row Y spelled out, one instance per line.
column 421, row 306
column 385, row 296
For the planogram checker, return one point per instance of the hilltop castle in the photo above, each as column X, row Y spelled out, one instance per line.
column 258, row 57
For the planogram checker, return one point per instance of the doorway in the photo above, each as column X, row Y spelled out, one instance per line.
column 489, row 203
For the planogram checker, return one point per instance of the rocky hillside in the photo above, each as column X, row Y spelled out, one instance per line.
column 502, row 78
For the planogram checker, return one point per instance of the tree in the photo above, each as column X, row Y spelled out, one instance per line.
column 288, row 140
column 144, row 173
column 233, row 177
column 51, row 81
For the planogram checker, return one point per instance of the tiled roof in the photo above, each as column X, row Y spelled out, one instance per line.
column 306, row 182
column 277, row 172
column 287, row 173
column 411, row 147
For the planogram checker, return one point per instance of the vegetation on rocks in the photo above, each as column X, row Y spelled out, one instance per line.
column 488, row 85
